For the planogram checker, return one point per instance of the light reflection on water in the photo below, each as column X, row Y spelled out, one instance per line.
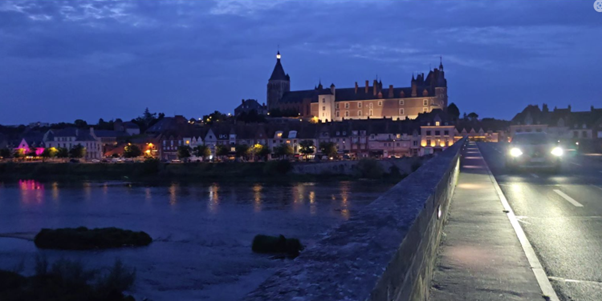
column 203, row 231
column 33, row 192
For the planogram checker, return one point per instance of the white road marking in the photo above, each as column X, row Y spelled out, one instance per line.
column 575, row 163
column 540, row 273
column 575, row 281
column 568, row 198
column 534, row 175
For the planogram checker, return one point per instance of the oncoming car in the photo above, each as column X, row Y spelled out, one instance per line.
column 533, row 150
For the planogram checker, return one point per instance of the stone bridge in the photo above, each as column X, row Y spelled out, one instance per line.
column 386, row 252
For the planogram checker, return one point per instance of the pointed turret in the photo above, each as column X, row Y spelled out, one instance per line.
column 278, row 84
column 278, row 73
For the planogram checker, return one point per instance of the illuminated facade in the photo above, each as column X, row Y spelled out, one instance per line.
column 426, row 93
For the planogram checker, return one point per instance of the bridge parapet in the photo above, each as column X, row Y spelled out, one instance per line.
column 386, row 252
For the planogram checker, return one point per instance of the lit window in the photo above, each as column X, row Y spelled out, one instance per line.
column 437, row 123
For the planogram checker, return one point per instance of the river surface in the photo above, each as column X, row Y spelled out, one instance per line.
column 202, row 232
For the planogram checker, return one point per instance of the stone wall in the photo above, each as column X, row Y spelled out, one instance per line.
column 348, row 167
column 386, row 252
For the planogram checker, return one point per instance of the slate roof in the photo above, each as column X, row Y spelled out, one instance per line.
column 80, row 134
column 278, row 73
column 109, row 133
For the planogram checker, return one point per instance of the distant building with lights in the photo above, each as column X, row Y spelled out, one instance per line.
column 425, row 93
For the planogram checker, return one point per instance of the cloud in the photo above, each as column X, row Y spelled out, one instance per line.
column 198, row 56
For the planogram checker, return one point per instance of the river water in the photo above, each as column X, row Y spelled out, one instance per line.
column 202, row 232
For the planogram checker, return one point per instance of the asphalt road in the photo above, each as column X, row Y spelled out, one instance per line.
column 561, row 215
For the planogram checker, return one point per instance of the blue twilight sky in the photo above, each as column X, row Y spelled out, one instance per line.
column 61, row 60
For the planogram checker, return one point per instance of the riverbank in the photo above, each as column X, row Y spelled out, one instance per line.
column 240, row 171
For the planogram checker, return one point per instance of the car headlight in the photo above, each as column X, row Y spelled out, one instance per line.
column 515, row 152
column 557, row 151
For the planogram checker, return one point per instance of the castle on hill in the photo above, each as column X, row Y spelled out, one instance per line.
column 426, row 93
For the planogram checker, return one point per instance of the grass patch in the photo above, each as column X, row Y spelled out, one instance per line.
column 83, row 238
column 67, row 280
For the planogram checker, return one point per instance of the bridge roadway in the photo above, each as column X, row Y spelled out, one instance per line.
column 561, row 215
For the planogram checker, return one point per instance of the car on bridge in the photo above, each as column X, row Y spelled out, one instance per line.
column 533, row 151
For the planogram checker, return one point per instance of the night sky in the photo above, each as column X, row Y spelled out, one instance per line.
column 64, row 60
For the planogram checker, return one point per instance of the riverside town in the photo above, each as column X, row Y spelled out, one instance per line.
column 300, row 150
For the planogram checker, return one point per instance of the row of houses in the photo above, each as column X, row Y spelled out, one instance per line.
column 386, row 137
column 382, row 138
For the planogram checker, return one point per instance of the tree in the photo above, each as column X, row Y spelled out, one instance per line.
column 77, row 151
column 202, row 151
column 18, row 153
column 307, row 147
column 221, row 151
column 5, row 153
column 216, row 117
column 283, row 150
column 147, row 119
column 242, row 150
column 453, row 111
column 80, row 123
column 329, row 149
column 132, row 151
column 184, row 152
column 62, row 152
column 49, row 152
column 473, row 116
column 32, row 152
column 261, row 151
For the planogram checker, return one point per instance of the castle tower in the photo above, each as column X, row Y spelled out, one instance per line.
column 278, row 84
column 441, row 86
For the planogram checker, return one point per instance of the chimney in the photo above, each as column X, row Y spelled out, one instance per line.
column 374, row 88
column 356, row 87
column 390, row 91
column 367, row 86
column 243, row 101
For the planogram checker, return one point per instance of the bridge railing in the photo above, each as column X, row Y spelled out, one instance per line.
column 385, row 252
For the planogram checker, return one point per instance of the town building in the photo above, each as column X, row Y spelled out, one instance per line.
column 71, row 137
column 425, row 93
column 250, row 105
column 582, row 129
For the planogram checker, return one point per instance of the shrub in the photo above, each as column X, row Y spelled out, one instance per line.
column 67, row 280
column 150, row 166
column 118, row 279
column 394, row 170
column 276, row 244
column 280, row 167
column 83, row 239
column 369, row 168
column 415, row 165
